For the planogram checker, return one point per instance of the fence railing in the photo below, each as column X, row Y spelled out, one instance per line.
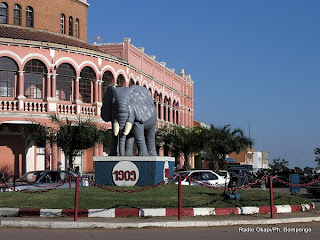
column 69, row 179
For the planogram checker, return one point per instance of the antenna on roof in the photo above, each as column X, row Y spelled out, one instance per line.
column 97, row 39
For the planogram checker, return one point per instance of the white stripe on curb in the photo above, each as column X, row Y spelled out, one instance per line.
column 248, row 210
column 9, row 212
column 204, row 211
column 305, row 207
column 109, row 213
column 50, row 212
column 153, row 212
column 283, row 208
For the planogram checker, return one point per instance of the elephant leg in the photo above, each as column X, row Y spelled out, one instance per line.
column 129, row 146
column 138, row 133
column 114, row 145
column 150, row 141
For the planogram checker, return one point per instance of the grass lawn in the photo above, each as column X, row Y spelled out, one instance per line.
column 163, row 196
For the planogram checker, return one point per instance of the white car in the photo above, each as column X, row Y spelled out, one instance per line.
column 225, row 174
column 205, row 176
column 45, row 179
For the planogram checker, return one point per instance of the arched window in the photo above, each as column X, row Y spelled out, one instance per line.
column 70, row 26
column 16, row 14
column 62, row 24
column 66, row 75
column 137, row 83
column 29, row 17
column 34, row 71
column 87, row 77
column 8, row 70
column 76, row 28
column 107, row 79
column 131, row 83
column 3, row 13
column 121, row 81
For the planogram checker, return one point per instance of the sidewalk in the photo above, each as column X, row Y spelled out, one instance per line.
column 172, row 222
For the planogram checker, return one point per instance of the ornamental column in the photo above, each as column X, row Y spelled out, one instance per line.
column 76, row 89
column 96, row 91
column 53, row 85
column 47, row 154
column 21, row 96
column 162, row 109
column 169, row 114
column 54, row 156
column 21, row 84
column 157, row 110
column 48, row 85
column 100, row 91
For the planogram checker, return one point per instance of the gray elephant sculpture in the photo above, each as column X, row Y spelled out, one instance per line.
column 133, row 116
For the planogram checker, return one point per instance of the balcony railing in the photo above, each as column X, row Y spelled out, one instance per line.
column 7, row 105
column 28, row 105
column 35, row 107
column 66, row 108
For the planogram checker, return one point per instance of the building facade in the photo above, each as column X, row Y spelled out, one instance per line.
column 244, row 157
column 260, row 160
column 46, row 66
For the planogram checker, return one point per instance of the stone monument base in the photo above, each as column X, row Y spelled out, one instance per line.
column 132, row 170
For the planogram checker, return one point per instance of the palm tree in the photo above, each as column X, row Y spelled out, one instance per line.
column 72, row 136
column 181, row 140
column 75, row 136
column 220, row 141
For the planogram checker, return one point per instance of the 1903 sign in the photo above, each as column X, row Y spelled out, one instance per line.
column 125, row 173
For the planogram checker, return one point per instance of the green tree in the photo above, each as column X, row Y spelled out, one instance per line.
column 298, row 170
column 72, row 136
column 220, row 141
column 317, row 153
column 307, row 170
column 181, row 140
column 279, row 165
column 75, row 136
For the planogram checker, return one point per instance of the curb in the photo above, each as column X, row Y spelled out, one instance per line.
column 171, row 224
column 152, row 212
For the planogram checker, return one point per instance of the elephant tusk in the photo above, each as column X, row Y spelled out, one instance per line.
column 116, row 128
column 127, row 128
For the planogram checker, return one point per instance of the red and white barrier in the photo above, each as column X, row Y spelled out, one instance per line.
column 153, row 212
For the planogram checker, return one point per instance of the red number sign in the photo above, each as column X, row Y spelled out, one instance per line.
column 121, row 175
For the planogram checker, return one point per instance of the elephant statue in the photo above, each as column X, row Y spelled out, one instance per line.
column 133, row 116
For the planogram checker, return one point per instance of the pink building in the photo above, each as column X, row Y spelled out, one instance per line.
column 46, row 66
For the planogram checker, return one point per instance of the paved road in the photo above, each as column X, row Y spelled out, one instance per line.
column 277, row 232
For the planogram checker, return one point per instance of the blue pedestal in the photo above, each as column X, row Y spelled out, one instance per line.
column 295, row 179
column 132, row 170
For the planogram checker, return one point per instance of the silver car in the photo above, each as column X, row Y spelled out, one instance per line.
column 42, row 180
column 205, row 176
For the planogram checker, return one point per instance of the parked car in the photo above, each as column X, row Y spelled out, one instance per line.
column 314, row 189
column 204, row 176
column 225, row 174
column 41, row 180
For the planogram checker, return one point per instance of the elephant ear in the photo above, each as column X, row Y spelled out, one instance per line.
column 142, row 103
column 106, row 109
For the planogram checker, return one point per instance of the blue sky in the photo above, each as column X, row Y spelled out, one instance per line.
column 251, row 61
